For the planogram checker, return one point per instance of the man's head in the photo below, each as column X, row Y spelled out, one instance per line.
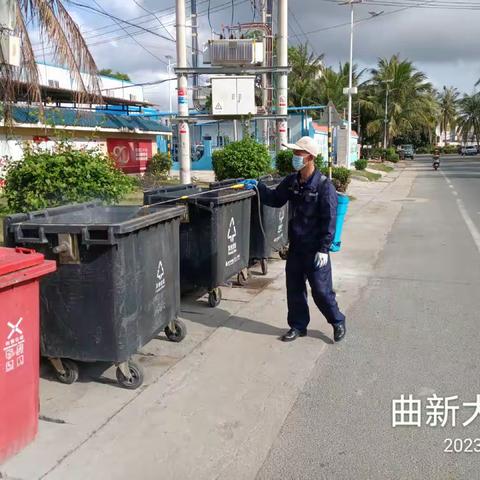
column 305, row 150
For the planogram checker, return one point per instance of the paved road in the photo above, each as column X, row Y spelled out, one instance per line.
column 415, row 330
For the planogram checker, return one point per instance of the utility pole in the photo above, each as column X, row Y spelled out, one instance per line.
column 350, row 90
column 193, row 16
column 330, row 142
column 282, row 61
column 350, row 81
column 169, row 73
column 385, row 121
column 264, row 123
column 183, row 128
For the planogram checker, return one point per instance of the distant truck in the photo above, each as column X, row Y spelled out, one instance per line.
column 406, row 151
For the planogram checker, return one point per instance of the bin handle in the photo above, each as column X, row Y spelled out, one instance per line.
column 21, row 238
column 108, row 240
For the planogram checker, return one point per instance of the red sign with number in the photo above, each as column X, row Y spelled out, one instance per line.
column 130, row 156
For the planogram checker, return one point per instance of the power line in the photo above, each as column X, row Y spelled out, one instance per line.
column 153, row 13
column 142, row 84
column 216, row 9
column 109, row 15
column 133, row 38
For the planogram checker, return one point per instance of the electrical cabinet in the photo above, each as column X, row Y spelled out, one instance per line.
column 10, row 49
column 233, row 95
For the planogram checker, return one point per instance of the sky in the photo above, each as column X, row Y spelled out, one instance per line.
column 441, row 42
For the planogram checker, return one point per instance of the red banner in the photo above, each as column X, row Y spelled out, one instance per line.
column 131, row 156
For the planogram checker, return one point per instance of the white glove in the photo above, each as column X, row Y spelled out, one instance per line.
column 321, row 259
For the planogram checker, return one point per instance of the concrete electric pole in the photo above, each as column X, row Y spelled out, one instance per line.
column 282, row 61
column 182, row 95
column 350, row 90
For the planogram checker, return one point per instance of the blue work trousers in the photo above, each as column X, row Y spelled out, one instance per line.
column 300, row 268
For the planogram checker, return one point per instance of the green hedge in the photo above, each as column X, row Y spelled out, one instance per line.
column 43, row 179
column 246, row 159
column 361, row 164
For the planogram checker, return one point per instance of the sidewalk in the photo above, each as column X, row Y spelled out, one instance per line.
column 211, row 406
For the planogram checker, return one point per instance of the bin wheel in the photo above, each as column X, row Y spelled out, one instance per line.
column 70, row 374
column 283, row 253
column 264, row 265
column 136, row 376
column 178, row 334
column 242, row 277
column 215, row 297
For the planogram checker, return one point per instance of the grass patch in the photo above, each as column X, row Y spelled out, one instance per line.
column 372, row 177
column 380, row 167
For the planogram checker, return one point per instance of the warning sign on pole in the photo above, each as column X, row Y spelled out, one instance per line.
column 182, row 128
column 282, row 101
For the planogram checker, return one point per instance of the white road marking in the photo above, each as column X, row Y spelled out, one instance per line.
column 455, row 193
column 472, row 228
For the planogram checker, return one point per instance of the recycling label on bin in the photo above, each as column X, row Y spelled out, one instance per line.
column 14, row 346
column 232, row 252
column 160, row 280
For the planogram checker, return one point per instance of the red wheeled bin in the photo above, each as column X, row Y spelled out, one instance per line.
column 20, row 271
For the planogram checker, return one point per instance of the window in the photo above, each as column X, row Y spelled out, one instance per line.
column 54, row 83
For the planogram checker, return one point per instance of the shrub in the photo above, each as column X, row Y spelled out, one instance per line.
column 425, row 149
column 376, row 152
column 283, row 162
column 246, row 159
column 43, row 179
column 159, row 165
column 449, row 149
column 361, row 164
column 340, row 177
column 391, row 155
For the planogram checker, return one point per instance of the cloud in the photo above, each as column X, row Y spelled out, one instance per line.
column 442, row 43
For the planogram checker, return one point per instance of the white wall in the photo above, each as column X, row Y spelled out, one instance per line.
column 11, row 148
column 62, row 76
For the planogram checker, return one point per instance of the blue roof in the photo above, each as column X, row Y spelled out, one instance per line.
column 71, row 117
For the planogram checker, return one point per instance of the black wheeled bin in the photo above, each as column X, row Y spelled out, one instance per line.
column 116, row 286
column 274, row 235
column 274, row 221
column 215, row 241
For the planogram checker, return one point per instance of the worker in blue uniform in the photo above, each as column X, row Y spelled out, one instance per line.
column 313, row 201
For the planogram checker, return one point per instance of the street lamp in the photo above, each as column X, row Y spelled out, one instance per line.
column 350, row 90
column 169, row 72
column 386, row 114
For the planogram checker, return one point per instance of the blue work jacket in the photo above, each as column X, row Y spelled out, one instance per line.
column 313, row 211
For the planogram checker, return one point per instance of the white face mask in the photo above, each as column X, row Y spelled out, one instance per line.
column 297, row 162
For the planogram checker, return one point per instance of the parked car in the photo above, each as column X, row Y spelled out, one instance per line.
column 469, row 150
column 407, row 151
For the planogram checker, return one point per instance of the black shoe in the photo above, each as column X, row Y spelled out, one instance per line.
column 339, row 331
column 293, row 334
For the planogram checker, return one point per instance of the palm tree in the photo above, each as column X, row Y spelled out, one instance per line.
column 69, row 49
column 306, row 67
column 411, row 100
column 330, row 85
column 469, row 117
column 447, row 102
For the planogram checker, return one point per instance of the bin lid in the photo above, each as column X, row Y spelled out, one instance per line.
column 14, row 259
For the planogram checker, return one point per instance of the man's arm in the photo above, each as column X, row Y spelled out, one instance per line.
column 328, row 214
column 277, row 197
